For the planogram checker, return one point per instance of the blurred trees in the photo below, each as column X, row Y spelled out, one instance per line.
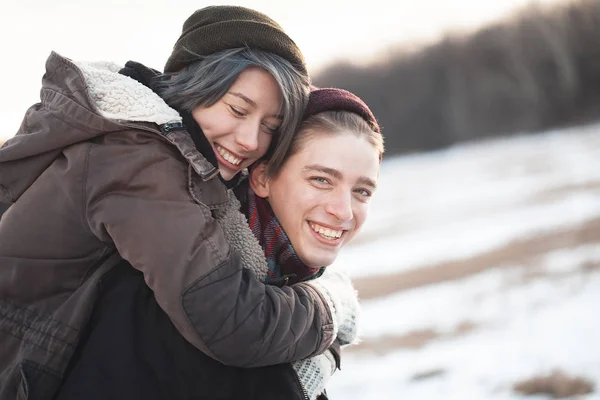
column 538, row 69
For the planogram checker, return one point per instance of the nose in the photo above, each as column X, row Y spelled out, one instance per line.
column 247, row 137
column 339, row 204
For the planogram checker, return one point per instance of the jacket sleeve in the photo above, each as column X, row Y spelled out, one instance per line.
column 137, row 199
column 337, row 287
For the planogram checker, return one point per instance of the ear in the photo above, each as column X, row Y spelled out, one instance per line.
column 259, row 180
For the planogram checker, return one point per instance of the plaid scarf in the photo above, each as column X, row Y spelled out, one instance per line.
column 284, row 264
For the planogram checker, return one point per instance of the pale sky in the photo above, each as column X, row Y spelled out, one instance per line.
column 145, row 31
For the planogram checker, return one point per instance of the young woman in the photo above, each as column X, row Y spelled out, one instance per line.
column 106, row 169
column 301, row 213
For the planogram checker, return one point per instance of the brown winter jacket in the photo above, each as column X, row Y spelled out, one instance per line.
column 91, row 186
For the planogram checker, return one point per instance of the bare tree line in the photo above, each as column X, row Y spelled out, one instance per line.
column 536, row 70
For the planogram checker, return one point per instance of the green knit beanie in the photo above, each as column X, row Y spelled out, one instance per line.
column 215, row 28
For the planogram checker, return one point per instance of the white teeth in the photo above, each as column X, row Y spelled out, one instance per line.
column 326, row 232
column 228, row 156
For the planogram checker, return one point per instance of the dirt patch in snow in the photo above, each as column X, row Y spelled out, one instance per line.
column 557, row 385
column 519, row 252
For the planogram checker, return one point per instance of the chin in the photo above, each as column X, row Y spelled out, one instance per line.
column 310, row 262
column 318, row 262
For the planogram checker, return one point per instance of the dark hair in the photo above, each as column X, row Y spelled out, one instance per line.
column 331, row 123
column 205, row 81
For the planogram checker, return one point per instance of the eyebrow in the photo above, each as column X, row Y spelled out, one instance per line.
column 251, row 102
column 338, row 175
column 245, row 98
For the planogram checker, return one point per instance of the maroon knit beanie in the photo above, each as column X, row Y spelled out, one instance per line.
column 333, row 99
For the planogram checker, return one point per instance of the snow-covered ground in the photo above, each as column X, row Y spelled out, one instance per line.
column 527, row 314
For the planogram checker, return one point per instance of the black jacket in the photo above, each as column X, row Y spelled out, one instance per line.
column 3, row 207
column 131, row 350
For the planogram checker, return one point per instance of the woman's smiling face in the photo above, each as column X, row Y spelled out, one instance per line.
column 321, row 195
column 240, row 125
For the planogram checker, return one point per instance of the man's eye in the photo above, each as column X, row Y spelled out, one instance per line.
column 320, row 179
column 363, row 192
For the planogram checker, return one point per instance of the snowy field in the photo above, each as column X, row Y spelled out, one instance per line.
column 480, row 269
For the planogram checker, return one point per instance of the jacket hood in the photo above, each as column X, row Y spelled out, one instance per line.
column 78, row 102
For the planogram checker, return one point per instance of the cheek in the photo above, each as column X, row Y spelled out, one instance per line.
column 201, row 115
column 208, row 131
column 213, row 122
column 264, row 141
column 360, row 211
column 206, row 124
column 288, row 202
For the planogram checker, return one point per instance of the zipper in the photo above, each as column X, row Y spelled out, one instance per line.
column 300, row 385
column 171, row 126
column 140, row 127
column 164, row 129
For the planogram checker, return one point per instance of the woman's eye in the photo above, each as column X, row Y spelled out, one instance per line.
column 238, row 112
column 270, row 129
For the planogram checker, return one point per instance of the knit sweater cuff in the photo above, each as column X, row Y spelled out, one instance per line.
column 337, row 288
column 314, row 373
